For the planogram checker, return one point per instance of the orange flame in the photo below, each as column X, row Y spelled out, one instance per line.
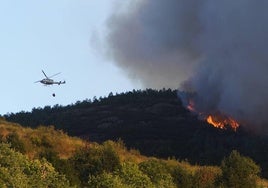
column 218, row 119
column 221, row 121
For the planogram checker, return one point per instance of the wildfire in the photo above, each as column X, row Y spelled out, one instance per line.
column 217, row 119
column 190, row 106
column 221, row 121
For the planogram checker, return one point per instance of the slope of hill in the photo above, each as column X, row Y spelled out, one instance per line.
column 57, row 160
column 36, row 142
column 154, row 122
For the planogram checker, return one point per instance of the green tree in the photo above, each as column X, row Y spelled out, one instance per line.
column 206, row 177
column 95, row 160
column 63, row 166
column 106, row 180
column 182, row 177
column 131, row 175
column 158, row 172
column 16, row 170
column 239, row 171
column 15, row 142
column 128, row 176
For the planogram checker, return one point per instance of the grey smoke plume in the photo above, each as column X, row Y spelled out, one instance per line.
column 213, row 47
column 154, row 41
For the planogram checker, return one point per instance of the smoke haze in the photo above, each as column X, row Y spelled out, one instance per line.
column 215, row 48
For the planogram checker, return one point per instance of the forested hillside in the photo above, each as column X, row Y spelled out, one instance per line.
column 151, row 121
column 45, row 157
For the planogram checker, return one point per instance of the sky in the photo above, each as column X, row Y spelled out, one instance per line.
column 56, row 36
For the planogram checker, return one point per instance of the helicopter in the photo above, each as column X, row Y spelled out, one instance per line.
column 48, row 81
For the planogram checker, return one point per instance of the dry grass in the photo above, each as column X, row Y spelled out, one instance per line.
column 41, row 139
column 262, row 183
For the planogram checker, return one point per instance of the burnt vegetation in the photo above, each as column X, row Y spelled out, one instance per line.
column 151, row 121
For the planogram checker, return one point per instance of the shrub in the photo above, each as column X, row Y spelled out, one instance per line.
column 182, row 177
column 131, row 175
column 16, row 170
column 95, row 160
column 206, row 177
column 15, row 142
column 106, row 180
column 239, row 171
column 158, row 172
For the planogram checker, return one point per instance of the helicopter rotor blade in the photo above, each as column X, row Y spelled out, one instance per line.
column 54, row 75
column 44, row 74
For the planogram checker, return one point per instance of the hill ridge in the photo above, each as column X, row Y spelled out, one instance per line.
column 152, row 121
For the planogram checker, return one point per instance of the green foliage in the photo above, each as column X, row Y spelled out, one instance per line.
column 158, row 172
column 95, row 160
column 131, row 175
column 239, row 171
column 106, row 180
column 128, row 176
column 63, row 166
column 206, row 177
column 109, row 164
column 16, row 170
column 15, row 142
column 182, row 177
column 110, row 159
